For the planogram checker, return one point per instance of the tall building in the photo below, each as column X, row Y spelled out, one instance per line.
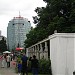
column 17, row 29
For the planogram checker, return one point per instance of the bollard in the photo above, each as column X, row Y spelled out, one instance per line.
column 74, row 73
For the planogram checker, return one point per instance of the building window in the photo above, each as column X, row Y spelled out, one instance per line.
column 13, row 24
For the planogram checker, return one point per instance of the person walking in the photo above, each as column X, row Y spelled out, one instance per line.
column 24, row 64
column 8, row 60
column 4, row 60
column 19, row 67
column 34, row 65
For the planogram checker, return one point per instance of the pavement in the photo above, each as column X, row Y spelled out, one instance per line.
column 10, row 70
column 7, row 71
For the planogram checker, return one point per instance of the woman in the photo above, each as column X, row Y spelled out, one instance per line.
column 4, row 61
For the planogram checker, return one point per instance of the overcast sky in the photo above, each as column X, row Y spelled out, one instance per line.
column 11, row 8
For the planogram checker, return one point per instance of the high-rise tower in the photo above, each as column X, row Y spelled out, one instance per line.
column 17, row 29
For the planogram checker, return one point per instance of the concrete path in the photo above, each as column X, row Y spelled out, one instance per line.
column 8, row 71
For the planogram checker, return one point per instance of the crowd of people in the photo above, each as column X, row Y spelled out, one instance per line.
column 21, row 65
column 6, row 58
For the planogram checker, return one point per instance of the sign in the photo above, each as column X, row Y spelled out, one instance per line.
column 18, row 49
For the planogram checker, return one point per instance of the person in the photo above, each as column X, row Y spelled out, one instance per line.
column 3, row 61
column 19, row 67
column 8, row 60
column 34, row 65
column 11, row 56
column 24, row 64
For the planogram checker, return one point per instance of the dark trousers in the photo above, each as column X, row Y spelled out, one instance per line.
column 35, row 71
column 24, row 69
column 8, row 64
column 23, row 73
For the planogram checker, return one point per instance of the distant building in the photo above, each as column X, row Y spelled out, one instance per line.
column 17, row 29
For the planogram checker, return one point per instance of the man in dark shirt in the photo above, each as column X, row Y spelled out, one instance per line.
column 24, row 64
column 34, row 65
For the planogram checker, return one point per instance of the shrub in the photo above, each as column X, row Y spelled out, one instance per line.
column 45, row 66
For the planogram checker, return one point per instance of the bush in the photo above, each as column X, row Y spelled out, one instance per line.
column 45, row 67
column 29, row 66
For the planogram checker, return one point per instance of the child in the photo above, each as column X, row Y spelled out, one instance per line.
column 19, row 67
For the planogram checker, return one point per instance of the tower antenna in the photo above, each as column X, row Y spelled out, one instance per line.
column 19, row 14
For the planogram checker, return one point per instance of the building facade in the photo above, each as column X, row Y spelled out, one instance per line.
column 17, row 29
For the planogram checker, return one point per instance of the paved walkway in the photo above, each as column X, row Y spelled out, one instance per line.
column 8, row 71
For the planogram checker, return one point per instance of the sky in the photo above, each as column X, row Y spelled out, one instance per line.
column 11, row 8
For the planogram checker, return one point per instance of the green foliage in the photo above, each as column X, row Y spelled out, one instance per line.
column 29, row 67
column 3, row 46
column 45, row 67
column 19, row 59
column 57, row 15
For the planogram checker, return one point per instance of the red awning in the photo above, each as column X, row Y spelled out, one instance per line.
column 19, row 49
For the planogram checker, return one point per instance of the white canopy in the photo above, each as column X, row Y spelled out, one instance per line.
column 6, row 52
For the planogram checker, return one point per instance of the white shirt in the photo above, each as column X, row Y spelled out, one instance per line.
column 8, row 58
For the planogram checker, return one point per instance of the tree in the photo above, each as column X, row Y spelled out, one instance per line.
column 3, row 46
column 57, row 15
column 63, row 9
